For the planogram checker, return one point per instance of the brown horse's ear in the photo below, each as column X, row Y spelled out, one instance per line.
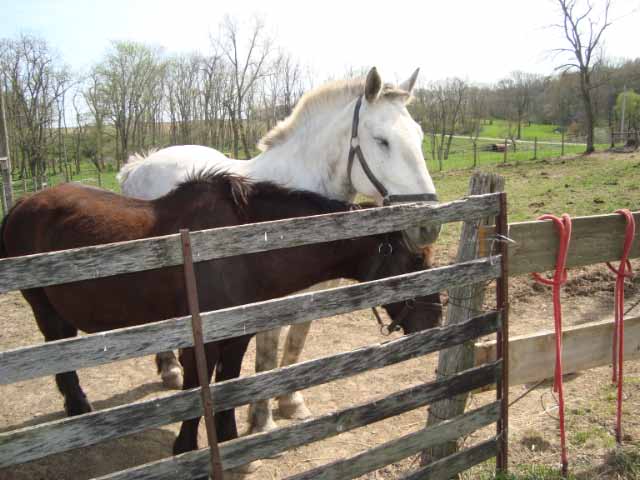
column 373, row 85
column 428, row 254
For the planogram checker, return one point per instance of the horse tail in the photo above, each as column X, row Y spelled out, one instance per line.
column 132, row 163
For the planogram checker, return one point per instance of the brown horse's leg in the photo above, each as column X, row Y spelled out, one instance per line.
column 229, row 368
column 188, row 437
column 169, row 370
column 54, row 327
column 292, row 404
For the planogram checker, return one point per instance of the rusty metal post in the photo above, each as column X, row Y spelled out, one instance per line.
column 502, row 343
column 201, row 357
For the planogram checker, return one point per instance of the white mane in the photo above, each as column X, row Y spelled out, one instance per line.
column 325, row 97
column 131, row 164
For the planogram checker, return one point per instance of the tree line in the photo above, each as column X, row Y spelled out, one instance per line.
column 458, row 107
column 139, row 97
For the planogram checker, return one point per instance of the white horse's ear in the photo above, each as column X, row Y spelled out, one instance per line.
column 408, row 84
column 373, row 85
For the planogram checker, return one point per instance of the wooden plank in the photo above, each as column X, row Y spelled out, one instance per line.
column 452, row 465
column 243, row 450
column 594, row 239
column 91, row 350
column 532, row 357
column 405, row 446
column 146, row 254
column 39, row 441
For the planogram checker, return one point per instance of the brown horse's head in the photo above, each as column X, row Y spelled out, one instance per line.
column 393, row 257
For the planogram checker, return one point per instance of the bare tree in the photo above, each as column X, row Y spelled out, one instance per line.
column 94, row 97
column 247, row 66
column 126, row 75
column 35, row 83
column 476, row 112
column 442, row 105
column 583, row 33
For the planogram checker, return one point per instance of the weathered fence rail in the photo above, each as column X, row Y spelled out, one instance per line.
column 532, row 357
column 594, row 239
column 100, row 348
column 41, row 270
column 42, row 440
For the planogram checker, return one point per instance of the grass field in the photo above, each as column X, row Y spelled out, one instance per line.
column 461, row 153
column 500, row 129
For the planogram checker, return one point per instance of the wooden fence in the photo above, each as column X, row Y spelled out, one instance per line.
column 31, row 443
column 594, row 239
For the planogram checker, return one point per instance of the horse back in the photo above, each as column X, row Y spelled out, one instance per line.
column 72, row 215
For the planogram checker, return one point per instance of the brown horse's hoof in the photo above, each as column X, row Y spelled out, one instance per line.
column 172, row 378
column 78, row 407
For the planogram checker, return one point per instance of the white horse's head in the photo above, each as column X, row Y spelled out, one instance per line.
column 353, row 137
column 390, row 166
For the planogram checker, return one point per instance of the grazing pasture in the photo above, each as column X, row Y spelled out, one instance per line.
column 580, row 186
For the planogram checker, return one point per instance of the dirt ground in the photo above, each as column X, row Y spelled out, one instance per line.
column 533, row 434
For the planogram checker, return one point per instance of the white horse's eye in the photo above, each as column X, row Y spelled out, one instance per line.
column 383, row 142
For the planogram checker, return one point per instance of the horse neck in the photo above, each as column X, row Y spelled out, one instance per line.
column 296, row 269
column 313, row 157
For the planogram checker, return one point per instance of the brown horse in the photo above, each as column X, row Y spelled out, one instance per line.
column 72, row 215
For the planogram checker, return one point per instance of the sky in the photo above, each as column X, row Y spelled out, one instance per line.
column 480, row 41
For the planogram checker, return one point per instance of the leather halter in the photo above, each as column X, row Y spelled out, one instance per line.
column 355, row 150
column 385, row 250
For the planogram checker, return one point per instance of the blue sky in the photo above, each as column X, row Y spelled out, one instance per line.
column 477, row 40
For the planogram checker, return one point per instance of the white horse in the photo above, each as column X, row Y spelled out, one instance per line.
column 315, row 149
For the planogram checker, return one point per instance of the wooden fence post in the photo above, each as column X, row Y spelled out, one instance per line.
column 475, row 154
column 562, row 145
column 464, row 303
column 5, row 161
column 535, row 148
column 506, row 148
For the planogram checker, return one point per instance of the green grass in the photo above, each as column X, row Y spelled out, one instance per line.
column 583, row 185
column 519, row 472
column 461, row 154
column 88, row 175
column 500, row 129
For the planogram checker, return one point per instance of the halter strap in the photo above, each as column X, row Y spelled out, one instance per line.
column 356, row 151
column 410, row 304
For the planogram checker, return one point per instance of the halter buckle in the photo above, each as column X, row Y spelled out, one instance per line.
column 385, row 249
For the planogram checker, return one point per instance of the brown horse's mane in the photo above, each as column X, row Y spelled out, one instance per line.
column 243, row 191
